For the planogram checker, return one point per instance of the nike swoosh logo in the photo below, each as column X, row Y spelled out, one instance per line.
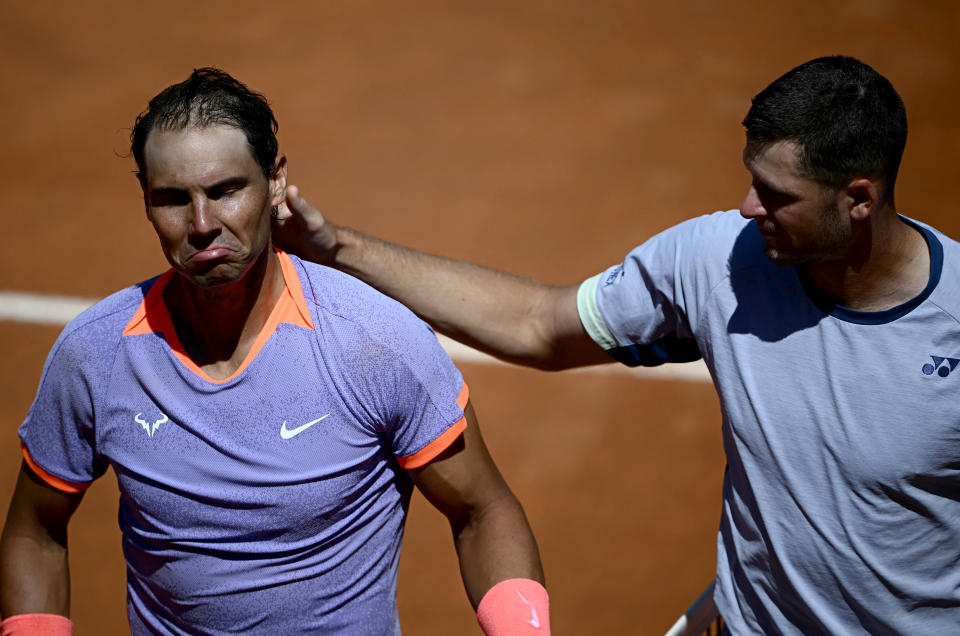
column 534, row 620
column 287, row 433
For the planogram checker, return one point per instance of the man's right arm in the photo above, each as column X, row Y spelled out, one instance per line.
column 511, row 317
column 34, row 576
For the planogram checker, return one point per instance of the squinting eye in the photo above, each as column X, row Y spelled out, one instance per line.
column 772, row 199
column 168, row 199
column 225, row 191
column 219, row 194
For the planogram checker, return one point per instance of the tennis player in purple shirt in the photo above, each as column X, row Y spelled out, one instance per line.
column 266, row 418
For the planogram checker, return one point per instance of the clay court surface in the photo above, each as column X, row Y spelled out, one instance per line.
column 546, row 138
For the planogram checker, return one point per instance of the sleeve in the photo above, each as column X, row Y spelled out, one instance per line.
column 58, row 435
column 428, row 395
column 643, row 311
column 412, row 392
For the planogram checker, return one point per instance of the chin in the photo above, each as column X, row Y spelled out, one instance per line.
column 214, row 277
column 781, row 257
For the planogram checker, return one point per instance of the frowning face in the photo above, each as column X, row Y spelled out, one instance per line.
column 209, row 201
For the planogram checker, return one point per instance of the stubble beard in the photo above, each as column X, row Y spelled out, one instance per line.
column 831, row 239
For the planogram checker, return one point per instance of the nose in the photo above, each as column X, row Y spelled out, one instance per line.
column 752, row 207
column 203, row 222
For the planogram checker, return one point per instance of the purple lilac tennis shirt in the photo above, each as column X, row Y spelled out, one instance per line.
column 269, row 502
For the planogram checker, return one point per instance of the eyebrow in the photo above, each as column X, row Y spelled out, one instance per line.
column 765, row 188
column 760, row 183
column 219, row 185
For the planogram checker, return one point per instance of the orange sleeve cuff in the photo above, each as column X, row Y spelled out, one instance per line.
column 437, row 446
column 36, row 625
column 51, row 480
column 515, row 607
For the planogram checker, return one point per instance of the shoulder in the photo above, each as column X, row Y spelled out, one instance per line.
column 949, row 246
column 705, row 238
column 351, row 308
column 99, row 328
column 334, row 292
column 944, row 266
column 378, row 346
column 722, row 223
column 699, row 251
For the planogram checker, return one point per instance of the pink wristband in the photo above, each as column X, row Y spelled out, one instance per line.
column 515, row 607
column 36, row 625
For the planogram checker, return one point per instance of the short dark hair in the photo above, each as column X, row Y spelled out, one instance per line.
column 209, row 97
column 847, row 119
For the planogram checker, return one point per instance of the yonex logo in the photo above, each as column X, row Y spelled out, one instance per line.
column 612, row 277
column 150, row 428
column 942, row 366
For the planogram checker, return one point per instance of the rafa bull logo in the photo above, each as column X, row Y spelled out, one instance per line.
column 150, row 428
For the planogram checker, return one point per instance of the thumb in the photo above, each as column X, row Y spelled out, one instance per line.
column 298, row 207
column 291, row 205
column 294, row 202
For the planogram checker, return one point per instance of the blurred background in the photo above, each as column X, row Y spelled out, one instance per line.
column 546, row 138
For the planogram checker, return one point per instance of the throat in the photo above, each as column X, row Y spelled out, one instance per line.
column 217, row 327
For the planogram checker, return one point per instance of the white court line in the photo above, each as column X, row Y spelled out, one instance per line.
column 45, row 309
column 40, row 309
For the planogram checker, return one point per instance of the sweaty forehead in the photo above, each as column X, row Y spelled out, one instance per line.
column 197, row 156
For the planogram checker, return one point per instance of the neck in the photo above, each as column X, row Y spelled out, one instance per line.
column 887, row 264
column 217, row 326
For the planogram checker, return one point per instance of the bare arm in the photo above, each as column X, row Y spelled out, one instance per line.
column 490, row 531
column 34, row 576
column 511, row 317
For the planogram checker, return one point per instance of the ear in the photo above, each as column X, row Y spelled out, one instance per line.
column 278, row 180
column 860, row 198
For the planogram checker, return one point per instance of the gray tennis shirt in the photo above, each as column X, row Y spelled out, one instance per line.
column 841, row 499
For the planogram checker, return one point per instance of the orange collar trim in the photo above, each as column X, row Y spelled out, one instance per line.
column 152, row 316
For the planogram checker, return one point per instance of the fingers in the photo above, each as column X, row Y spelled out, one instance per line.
column 296, row 205
column 293, row 204
column 299, row 228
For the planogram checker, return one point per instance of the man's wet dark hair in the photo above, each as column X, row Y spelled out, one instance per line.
column 209, row 97
column 847, row 119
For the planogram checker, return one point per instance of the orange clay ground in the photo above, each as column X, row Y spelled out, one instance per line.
column 546, row 138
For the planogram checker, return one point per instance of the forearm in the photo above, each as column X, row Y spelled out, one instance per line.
column 511, row 317
column 499, row 559
column 494, row 545
column 34, row 576
column 508, row 316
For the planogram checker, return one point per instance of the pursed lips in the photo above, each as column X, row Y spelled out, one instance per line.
column 210, row 253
